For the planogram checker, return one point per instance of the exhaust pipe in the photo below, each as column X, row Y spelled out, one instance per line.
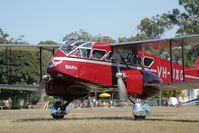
column 46, row 77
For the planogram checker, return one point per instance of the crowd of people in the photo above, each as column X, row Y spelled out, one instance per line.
column 93, row 103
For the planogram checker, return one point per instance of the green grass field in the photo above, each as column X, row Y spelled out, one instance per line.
column 102, row 120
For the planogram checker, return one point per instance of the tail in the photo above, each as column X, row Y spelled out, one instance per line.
column 196, row 64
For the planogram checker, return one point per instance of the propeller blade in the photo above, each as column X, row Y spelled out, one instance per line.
column 122, row 89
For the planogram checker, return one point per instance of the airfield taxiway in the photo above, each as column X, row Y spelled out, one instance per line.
column 184, row 119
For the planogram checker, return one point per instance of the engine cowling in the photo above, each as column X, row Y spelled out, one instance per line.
column 134, row 81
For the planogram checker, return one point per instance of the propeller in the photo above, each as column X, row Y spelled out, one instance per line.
column 120, row 83
column 121, row 86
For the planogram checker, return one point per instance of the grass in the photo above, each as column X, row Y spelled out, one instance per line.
column 101, row 120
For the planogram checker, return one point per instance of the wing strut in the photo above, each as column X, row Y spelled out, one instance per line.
column 183, row 67
column 40, row 63
column 171, row 60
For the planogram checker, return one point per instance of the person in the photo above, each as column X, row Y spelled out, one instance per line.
column 90, row 102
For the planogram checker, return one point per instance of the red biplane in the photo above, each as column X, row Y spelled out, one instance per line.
column 78, row 68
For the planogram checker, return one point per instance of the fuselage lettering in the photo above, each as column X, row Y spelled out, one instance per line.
column 70, row 67
column 162, row 71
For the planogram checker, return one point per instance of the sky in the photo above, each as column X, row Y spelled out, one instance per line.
column 40, row 20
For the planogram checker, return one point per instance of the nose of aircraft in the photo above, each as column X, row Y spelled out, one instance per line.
column 51, row 64
column 54, row 62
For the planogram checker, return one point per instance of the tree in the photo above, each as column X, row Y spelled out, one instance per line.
column 82, row 35
column 3, row 37
column 153, row 28
column 47, row 42
column 171, row 93
column 138, row 37
column 188, row 21
column 20, row 67
column 78, row 36
column 100, row 38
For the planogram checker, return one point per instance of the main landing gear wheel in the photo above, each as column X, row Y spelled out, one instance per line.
column 141, row 110
column 58, row 110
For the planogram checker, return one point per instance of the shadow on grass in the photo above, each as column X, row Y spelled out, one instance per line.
column 106, row 118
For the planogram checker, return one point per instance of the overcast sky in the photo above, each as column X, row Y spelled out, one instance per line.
column 40, row 20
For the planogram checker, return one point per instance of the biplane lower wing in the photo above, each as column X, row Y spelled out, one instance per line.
column 176, row 86
column 21, row 87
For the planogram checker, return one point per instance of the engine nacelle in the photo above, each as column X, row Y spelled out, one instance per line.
column 61, row 88
column 134, row 81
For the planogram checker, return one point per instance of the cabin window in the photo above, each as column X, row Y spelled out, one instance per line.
column 85, row 53
column 87, row 45
column 98, row 54
column 81, row 53
column 148, row 61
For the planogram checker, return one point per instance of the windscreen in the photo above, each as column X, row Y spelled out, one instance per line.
column 69, row 46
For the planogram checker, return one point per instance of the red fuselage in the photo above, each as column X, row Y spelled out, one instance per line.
column 81, row 67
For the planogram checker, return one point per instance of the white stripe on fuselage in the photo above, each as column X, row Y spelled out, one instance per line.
column 97, row 62
column 191, row 77
column 111, row 64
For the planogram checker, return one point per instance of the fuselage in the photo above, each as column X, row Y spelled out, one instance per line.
column 80, row 67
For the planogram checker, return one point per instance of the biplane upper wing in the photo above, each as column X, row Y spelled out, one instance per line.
column 27, row 47
column 160, row 44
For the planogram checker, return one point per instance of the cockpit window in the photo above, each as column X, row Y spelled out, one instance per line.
column 69, row 46
column 77, row 49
